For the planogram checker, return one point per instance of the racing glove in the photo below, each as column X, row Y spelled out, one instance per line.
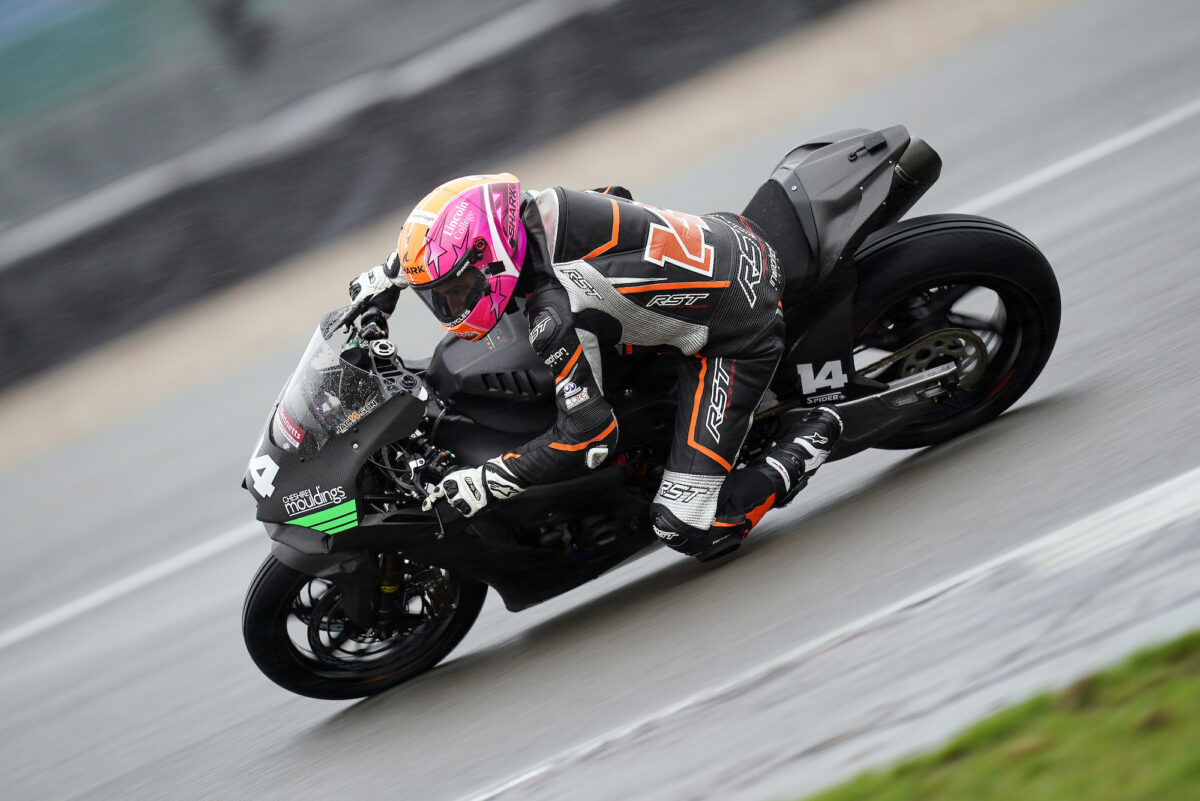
column 469, row 489
column 377, row 281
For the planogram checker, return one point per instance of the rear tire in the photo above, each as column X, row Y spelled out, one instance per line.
column 914, row 267
column 287, row 646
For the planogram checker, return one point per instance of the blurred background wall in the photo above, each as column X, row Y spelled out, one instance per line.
column 96, row 89
column 155, row 150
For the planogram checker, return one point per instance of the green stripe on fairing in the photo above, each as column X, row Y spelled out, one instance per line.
column 337, row 522
column 333, row 512
column 351, row 524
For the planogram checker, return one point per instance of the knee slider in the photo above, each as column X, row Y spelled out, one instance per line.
column 677, row 534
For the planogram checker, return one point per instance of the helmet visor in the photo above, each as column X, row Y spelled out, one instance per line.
column 453, row 299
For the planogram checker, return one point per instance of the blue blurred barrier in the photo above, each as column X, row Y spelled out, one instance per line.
column 130, row 247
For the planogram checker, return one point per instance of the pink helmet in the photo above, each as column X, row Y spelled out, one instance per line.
column 461, row 250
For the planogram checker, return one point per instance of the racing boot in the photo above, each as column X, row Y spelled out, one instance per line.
column 771, row 481
column 776, row 477
column 793, row 458
column 746, row 496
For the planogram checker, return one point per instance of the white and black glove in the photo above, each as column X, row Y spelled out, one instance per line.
column 377, row 280
column 469, row 489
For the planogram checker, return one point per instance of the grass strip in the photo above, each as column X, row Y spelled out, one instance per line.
column 1131, row 732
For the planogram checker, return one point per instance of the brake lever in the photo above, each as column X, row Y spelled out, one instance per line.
column 361, row 307
column 419, row 486
column 352, row 313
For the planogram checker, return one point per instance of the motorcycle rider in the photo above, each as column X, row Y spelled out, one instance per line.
column 601, row 271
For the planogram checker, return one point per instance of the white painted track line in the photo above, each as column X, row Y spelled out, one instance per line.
column 237, row 536
column 1083, row 158
column 206, row 550
column 1143, row 514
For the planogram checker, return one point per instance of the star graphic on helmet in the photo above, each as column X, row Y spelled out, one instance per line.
column 498, row 298
column 441, row 257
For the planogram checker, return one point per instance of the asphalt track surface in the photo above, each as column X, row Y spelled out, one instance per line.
column 667, row 679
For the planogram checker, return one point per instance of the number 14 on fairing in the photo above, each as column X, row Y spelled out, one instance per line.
column 830, row 376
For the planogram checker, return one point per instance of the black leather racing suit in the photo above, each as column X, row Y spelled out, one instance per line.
column 602, row 271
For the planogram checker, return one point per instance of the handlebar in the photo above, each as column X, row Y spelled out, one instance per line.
column 356, row 310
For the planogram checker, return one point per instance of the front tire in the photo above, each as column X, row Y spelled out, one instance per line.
column 299, row 637
column 914, row 278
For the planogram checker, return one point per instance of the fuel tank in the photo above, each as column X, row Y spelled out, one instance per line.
column 500, row 383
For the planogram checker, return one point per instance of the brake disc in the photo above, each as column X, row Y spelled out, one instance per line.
column 963, row 347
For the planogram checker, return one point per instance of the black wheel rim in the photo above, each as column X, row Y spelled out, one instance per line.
column 410, row 622
column 1003, row 315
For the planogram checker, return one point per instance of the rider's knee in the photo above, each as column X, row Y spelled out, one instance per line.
column 676, row 534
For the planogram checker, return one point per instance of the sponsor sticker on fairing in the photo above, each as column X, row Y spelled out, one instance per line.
column 356, row 416
column 309, row 500
column 292, row 432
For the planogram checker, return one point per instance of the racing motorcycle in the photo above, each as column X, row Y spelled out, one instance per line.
column 916, row 330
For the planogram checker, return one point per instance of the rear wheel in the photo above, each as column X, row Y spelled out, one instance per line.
column 924, row 279
column 299, row 635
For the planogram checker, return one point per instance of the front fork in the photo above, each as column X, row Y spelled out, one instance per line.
column 356, row 573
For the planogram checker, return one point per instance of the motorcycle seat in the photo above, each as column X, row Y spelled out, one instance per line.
column 778, row 220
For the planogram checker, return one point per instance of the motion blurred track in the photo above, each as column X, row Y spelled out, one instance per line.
column 151, row 695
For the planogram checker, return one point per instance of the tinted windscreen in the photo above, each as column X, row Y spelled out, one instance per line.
column 325, row 396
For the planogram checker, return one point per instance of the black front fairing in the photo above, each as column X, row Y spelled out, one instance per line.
column 306, row 485
column 311, row 463
column 344, row 400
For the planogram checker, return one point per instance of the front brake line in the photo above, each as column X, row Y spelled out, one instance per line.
column 419, row 486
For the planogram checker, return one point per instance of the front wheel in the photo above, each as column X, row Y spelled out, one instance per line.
column 947, row 273
column 300, row 637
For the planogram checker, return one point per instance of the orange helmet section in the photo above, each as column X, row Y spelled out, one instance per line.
column 465, row 330
column 413, row 240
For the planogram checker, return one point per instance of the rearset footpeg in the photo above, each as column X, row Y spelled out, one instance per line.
column 867, row 421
